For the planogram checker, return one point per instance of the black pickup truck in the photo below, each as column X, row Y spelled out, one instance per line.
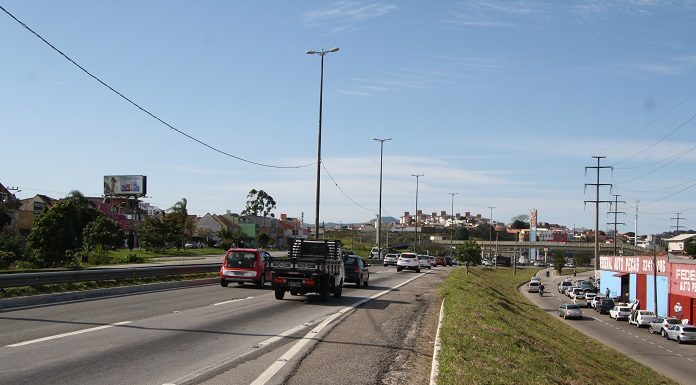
column 312, row 266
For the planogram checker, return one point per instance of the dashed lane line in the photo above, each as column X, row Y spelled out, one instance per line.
column 67, row 334
column 230, row 301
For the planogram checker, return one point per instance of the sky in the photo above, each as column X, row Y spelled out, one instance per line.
column 502, row 102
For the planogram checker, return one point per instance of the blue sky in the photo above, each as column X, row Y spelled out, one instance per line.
column 503, row 103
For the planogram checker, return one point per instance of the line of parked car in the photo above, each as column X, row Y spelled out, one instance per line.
column 584, row 294
column 413, row 261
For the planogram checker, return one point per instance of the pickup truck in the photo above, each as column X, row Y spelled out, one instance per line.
column 311, row 266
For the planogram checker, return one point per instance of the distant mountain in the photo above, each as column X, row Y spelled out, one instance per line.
column 385, row 220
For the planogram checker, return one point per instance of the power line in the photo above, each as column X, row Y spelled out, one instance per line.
column 341, row 190
column 142, row 108
column 677, row 218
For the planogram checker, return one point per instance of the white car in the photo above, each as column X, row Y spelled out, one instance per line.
column 408, row 261
column 589, row 298
column 642, row 318
column 681, row 333
column 533, row 286
column 390, row 259
column 424, row 261
column 564, row 285
column 579, row 299
column 620, row 312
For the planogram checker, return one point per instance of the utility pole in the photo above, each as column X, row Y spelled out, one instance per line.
column 379, row 215
column 677, row 226
column 635, row 237
column 597, row 201
column 616, row 206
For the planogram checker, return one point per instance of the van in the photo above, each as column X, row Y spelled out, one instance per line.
column 245, row 265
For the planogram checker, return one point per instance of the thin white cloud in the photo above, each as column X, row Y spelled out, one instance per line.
column 492, row 14
column 349, row 11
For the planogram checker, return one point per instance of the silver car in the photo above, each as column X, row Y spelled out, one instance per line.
column 390, row 259
column 681, row 333
column 569, row 310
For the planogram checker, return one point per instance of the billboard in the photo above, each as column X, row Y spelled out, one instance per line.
column 125, row 185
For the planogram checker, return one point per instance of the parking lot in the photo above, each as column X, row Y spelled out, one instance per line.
column 677, row 361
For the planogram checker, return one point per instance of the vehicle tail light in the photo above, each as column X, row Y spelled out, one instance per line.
column 279, row 280
column 357, row 269
column 309, row 282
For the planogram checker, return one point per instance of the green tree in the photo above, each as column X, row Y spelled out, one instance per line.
column 582, row 260
column 690, row 248
column 131, row 239
column 229, row 238
column 57, row 232
column 152, row 233
column 263, row 239
column 103, row 232
column 5, row 218
column 179, row 226
column 259, row 203
column 558, row 261
column 469, row 253
column 461, row 233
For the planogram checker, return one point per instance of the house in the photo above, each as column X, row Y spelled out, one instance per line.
column 31, row 208
column 675, row 245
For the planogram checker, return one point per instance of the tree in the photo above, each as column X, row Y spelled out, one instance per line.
column 690, row 248
column 179, row 226
column 152, row 233
column 263, row 239
column 461, row 233
column 259, row 203
column 130, row 241
column 469, row 253
column 519, row 225
column 558, row 261
column 5, row 218
column 57, row 233
column 103, row 232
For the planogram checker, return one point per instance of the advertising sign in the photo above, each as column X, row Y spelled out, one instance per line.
column 125, row 185
column 683, row 280
column 633, row 265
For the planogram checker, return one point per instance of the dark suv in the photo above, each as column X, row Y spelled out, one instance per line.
column 604, row 305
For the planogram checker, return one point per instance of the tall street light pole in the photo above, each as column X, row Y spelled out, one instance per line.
column 379, row 215
column 452, row 224
column 321, row 53
column 490, row 234
column 415, row 241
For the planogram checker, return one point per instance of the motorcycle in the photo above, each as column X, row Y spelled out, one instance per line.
column 547, row 273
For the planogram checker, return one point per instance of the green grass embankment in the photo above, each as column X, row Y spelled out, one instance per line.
column 493, row 335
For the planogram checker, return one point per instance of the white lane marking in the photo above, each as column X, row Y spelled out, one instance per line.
column 436, row 349
column 67, row 334
column 295, row 349
column 232, row 300
column 228, row 360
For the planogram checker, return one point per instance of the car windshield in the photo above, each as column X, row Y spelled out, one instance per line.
column 423, row 257
column 571, row 307
column 351, row 261
column 240, row 259
column 689, row 329
column 624, row 309
column 407, row 256
column 673, row 321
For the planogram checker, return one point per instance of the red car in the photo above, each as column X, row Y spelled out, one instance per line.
column 245, row 265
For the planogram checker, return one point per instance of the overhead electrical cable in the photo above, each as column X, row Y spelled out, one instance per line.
column 692, row 117
column 672, row 160
column 661, row 188
column 142, row 108
column 667, row 196
column 344, row 193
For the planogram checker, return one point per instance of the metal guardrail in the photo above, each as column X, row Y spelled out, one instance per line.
column 102, row 274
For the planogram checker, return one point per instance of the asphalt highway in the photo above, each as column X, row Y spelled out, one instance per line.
column 675, row 361
column 196, row 334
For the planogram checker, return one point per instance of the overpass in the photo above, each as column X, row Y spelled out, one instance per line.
column 582, row 248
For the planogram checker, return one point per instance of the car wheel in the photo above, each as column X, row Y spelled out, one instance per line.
column 650, row 330
column 338, row 290
column 430, row 267
column 223, row 283
column 399, row 268
column 240, row 283
column 418, row 270
column 385, row 265
column 679, row 340
column 564, row 316
column 280, row 294
column 359, row 283
column 262, row 282
column 366, row 282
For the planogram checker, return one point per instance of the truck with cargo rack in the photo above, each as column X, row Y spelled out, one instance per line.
column 311, row 266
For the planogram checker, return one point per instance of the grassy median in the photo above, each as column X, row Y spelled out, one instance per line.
column 493, row 335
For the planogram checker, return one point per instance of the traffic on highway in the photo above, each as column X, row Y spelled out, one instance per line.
column 659, row 343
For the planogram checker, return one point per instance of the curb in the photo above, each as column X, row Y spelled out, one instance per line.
column 45, row 299
column 436, row 349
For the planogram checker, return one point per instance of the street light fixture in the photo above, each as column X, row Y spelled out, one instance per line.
column 321, row 53
column 379, row 215
column 415, row 242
